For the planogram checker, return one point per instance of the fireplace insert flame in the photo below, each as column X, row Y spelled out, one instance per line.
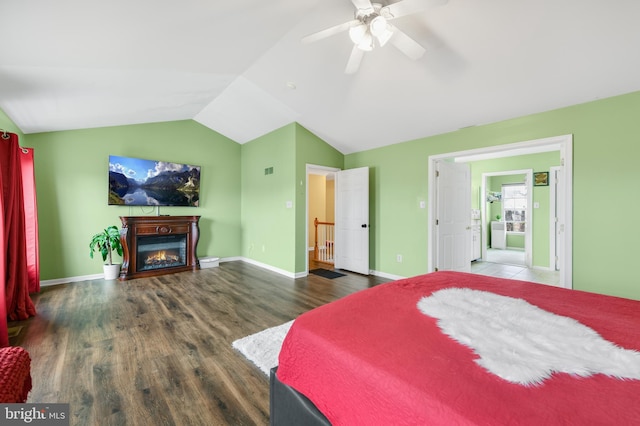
column 161, row 251
column 163, row 258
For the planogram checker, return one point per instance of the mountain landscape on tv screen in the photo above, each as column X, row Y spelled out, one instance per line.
column 138, row 182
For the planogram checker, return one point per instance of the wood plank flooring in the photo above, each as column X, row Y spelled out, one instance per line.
column 157, row 351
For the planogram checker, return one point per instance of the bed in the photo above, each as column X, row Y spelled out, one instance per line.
column 405, row 352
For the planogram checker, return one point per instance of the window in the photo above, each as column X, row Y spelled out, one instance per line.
column 514, row 206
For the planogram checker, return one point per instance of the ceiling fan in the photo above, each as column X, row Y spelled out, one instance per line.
column 371, row 26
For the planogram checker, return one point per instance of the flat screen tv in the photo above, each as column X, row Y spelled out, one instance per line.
column 138, row 182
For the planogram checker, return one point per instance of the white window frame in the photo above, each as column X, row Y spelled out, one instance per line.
column 525, row 208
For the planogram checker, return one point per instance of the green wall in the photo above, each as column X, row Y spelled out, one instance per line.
column 605, row 173
column 72, row 185
column 397, row 184
column 272, row 233
column 268, row 225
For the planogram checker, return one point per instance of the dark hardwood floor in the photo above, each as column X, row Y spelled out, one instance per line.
column 157, row 351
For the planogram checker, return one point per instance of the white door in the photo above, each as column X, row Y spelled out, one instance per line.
column 453, row 216
column 352, row 220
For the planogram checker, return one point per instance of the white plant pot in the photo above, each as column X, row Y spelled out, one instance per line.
column 111, row 272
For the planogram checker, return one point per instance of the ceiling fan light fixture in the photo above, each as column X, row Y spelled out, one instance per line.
column 371, row 27
column 385, row 36
column 380, row 29
column 357, row 33
column 366, row 43
column 361, row 37
column 378, row 26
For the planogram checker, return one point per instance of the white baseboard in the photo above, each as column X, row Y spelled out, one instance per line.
column 289, row 274
column 47, row 283
column 543, row 268
column 305, row 273
column 387, row 276
column 271, row 268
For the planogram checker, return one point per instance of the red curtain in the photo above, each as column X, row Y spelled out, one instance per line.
column 31, row 218
column 4, row 331
column 15, row 232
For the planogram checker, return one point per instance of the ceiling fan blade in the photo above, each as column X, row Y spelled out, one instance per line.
column 354, row 60
column 407, row 7
column 406, row 44
column 329, row 31
column 363, row 5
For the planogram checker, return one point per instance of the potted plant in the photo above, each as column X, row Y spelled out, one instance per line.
column 105, row 242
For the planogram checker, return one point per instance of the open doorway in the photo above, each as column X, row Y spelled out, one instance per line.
column 349, row 205
column 320, row 206
column 561, row 144
column 506, row 201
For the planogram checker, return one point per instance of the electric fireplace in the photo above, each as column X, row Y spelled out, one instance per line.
column 156, row 245
column 161, row 251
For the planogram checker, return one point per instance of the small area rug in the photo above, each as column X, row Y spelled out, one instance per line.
column 326, row 273
column 263, row 348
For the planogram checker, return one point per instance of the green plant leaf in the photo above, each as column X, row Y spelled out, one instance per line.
column 106, row 241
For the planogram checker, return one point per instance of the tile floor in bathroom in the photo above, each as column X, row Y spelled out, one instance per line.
column 510, row 264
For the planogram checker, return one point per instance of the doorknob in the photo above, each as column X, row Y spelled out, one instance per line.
column 364, row 225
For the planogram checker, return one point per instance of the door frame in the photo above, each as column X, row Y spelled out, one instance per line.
column 562, row 143
column 554, row 224
column 528, row 233
column 310, row 169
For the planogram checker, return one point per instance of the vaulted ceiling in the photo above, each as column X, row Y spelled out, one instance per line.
column 239, row 67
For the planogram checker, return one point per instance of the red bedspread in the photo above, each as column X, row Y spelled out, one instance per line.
column 372, row 358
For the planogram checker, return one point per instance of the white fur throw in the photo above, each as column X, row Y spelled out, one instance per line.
column 522, row 343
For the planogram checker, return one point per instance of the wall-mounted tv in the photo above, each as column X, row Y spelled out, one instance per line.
column 138, row 182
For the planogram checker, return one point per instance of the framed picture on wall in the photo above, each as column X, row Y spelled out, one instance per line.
column 541, row 179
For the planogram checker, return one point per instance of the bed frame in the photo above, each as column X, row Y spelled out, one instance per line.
column 290, row 407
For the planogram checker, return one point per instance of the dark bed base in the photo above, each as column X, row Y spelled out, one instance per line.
column 290, row 407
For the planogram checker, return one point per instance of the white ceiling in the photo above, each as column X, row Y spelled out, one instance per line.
column 74, row 64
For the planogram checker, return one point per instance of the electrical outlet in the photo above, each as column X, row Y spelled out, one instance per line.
column 399, row 258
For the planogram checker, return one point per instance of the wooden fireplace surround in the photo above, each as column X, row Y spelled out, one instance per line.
column 132, row 226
